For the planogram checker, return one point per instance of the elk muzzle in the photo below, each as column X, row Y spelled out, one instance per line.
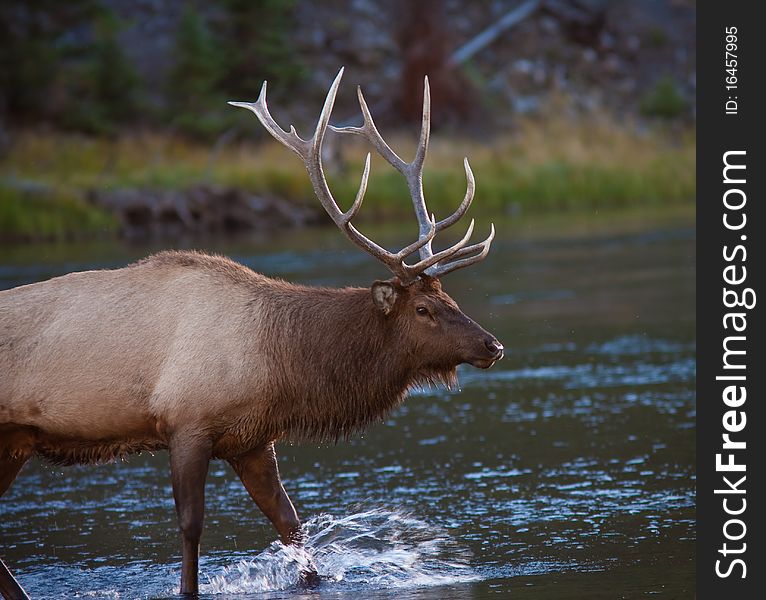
column 485, row 352
column 495, row 347
column 492, row 351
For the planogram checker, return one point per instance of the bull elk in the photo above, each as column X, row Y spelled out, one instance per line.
column 201, row 356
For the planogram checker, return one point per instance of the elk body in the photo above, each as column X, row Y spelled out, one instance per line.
column 203, row 357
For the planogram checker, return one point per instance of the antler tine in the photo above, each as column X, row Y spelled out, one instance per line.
column 465, row 204
column 414, row 175
column 313, row 161
column 324, row 116
column 351, row 212
column 424, row 264
column 425, row 129
column 370, row 132
column 421, row 241
column 484, row 246
column 290, row 139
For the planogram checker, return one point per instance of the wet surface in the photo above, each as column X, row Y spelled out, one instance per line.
column 567, row 470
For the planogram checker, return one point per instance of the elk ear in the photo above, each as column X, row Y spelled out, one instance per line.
column 384, row 295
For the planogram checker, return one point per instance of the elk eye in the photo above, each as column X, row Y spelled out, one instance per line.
column 422, row 311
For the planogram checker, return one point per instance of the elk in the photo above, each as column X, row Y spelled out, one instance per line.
column 199, row 355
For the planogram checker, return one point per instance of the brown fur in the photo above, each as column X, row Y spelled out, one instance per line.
column 101, row 364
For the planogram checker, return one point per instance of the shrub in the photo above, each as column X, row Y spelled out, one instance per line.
column 50, row 215
column 664, row 100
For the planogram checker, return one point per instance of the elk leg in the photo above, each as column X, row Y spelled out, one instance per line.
column 9, row 468
column 259, row 473
column 9, row 587
column 189, row 459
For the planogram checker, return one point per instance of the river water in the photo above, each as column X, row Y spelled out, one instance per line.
column 566, row 471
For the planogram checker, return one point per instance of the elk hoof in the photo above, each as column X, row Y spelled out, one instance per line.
column 309, row 580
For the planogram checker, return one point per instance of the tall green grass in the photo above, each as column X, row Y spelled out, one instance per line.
column 51, row 215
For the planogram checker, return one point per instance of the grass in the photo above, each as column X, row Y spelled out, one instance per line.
column 558, row 164
column 28, row 216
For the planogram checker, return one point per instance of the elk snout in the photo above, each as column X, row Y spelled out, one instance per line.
column 487, row 353
column 495, row 347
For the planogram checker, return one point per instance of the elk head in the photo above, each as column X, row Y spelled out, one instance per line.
column 413, row 299
column 431, row 324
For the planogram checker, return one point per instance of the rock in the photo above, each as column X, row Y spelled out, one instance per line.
column 204, row 208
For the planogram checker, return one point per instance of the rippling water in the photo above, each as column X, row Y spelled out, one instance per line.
column 565, row 471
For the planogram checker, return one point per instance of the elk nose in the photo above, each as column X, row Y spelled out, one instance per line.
column 494, row 346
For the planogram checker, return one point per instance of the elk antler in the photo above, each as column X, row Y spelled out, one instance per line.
column 310, row 152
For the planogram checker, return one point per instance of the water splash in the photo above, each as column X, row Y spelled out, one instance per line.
column 374, row 548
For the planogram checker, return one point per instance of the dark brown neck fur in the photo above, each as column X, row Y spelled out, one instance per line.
column 339, row 363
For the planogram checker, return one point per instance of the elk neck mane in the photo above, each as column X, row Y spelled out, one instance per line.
column 341, row 363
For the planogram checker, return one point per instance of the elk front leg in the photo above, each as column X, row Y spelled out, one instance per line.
column 189, row 461
column 259, row 473
column 9, row 468
column 9, row 587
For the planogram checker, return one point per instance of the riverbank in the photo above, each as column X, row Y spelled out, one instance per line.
column 55, row 186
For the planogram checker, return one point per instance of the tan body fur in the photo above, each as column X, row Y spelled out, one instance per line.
column 104, row 363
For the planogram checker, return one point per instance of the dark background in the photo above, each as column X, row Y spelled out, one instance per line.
column 113, row 115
